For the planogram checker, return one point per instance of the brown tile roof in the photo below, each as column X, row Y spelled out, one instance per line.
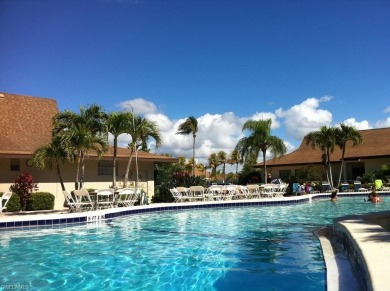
column 25, row 123
column 123, row 153
column 376, row 144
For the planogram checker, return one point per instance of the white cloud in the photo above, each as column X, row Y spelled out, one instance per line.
column 221, row 132
column 358, row 125
column 139, row 106
column 383, row 123
column 305, row 117
column 387, row 110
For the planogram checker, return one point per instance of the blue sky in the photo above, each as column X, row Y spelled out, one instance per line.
column 304, row 64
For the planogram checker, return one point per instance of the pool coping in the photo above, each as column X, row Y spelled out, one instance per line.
column 350, row 228
column 369, row 244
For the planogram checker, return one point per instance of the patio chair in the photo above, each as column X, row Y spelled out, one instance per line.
column 126, row 197
column 241, row 193
column 281, row 190
column 228, row 192
column 214, row 192
column 83, row 200
column 297, row 190
column 4, row 201
column 70, row 202
column 344, row 187
column 268, row 191
column 185, row 192
column 378, row 184
column 358, row 187
column 326, row 187
column 253, row 191
column 197, row 193
column 105, row 198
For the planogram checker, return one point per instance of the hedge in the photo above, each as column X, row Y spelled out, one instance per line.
column 37, row 201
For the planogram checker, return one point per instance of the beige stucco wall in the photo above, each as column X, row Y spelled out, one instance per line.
column 370, row 165
column 48, row 180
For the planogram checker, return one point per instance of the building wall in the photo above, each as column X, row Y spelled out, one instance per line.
column 48, row 179
column 369, row 166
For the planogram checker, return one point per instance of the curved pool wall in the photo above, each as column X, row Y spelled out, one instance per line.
column 17, row 221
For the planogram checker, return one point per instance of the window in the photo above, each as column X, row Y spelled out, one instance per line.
column 284, row 175
column 104, row 168
column 15, row 165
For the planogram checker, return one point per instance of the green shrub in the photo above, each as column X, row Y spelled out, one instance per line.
column 41, row 201
column 13, row 204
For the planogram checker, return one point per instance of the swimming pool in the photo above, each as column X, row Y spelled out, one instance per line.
column 245, row 248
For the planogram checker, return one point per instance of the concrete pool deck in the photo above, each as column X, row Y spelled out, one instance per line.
column 363, row 235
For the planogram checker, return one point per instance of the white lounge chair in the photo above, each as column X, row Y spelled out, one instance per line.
column 197, row 193
column 4, row 201
column 185, row 193
column 126, row 197
column 83, row 199
column 70, row 202
column 214, row 192
column 105, row 198
column 241, row 193
column 268, row 191
column 253, row 191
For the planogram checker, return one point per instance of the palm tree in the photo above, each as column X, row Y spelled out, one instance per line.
column 190, row 126
column 47, row 153
column 222, row 161
column 325, row 139
column 141, row 130
column 235, row 159
column 200, row 167
column 260, row 139
column 343, row 135
column 117, row 124
column 82, row 133
column 213, row 164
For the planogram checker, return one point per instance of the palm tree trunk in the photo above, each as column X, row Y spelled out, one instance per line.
column 82, row 171
column 237, row 173
column 60, row 176
column 126, row 178
column 330, row 170
column 224, row 173
column 265, row 168
column 114, row 163
column 78, row 172
column 193, row 157
column 341, row 166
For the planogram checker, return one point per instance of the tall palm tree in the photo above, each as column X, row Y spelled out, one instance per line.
column 343, row 135
column 325, row 139
column 117, row 124
column 213, row 164
column 235, row 158
column 222, row 161
column 49, row 152
column 141, row 130
column 82, row 133
column 190, row 126
column 260, row 139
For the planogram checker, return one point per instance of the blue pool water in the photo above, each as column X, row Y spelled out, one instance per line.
column 245, row 248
